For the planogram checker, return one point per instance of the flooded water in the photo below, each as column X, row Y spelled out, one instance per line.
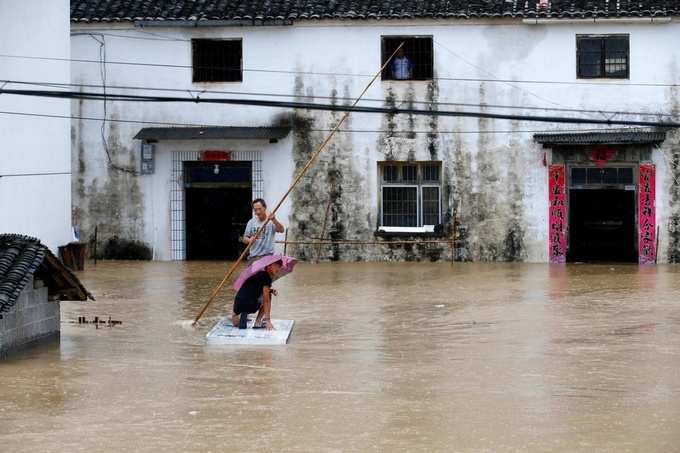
column 383, row 357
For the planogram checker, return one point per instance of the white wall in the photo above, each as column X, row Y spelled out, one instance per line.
column 38, row 205
column 498, row 179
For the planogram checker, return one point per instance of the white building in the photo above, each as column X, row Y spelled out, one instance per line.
column 35, row 144
column 385, row 174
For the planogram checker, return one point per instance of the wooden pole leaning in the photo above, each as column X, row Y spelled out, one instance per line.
column 296, row 180
column 325, row 223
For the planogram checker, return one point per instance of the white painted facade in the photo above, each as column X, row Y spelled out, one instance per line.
column 482, row 159
column 35, row 151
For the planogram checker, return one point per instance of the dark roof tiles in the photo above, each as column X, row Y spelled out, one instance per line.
column 20, row 258
column 277, row 10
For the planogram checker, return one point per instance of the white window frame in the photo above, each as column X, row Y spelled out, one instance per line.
column 419, row 185
column 439, row 196
column 382, row 203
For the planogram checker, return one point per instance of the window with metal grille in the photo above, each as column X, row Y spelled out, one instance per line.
column 217, row 60
column 410, row 193
column 414, row 61
column 603, row 57
column 581, row 176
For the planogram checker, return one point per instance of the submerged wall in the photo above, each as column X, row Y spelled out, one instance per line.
column 32, row 318
column 494, row 175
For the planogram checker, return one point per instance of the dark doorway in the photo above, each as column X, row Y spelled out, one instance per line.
column 602, row 225
column 217, row 203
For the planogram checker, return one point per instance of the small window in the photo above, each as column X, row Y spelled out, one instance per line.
column 412, row 62
column 625, row 175
column 217, row 60
column 602, row 57
column 411, row 194
column 578, row 176
column 599, row 176
column 409, row 173
column 431, row 202
column 390, row 173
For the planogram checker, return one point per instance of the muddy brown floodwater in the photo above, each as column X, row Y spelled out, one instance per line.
column 383, row 357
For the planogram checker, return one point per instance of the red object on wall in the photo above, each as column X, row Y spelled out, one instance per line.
column 557, row 214
column 601, row 155
column 647, row 214
column 215, row 155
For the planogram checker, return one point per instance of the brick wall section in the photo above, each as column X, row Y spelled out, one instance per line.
column 32, row 318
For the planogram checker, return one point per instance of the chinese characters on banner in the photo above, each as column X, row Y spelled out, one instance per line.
column 557, row 215
column 647, row 214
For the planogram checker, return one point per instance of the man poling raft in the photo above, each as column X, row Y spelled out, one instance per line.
column 254, row 290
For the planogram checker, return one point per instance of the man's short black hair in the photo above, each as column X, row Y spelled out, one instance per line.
column 261, row 201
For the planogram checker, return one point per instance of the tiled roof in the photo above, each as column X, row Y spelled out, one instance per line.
column 291, row 10
column 611, row 137
column 20, row 258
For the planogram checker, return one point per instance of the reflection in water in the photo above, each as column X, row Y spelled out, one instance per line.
column 389, row 356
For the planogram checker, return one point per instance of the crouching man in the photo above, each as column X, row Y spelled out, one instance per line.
column 248, row 300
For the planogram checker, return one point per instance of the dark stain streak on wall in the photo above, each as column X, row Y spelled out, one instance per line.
column 114, row 204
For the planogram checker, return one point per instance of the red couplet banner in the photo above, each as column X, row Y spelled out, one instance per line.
column 647, row 214
column 557, row 216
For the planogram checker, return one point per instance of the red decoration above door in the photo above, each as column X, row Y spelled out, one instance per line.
column 601, row 155
column 215, row 155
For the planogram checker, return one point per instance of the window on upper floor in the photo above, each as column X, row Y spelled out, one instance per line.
column 410, row 194
column 217, row 60
column 602, row 57
column 413, row 61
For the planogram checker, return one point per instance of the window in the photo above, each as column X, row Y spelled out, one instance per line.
column 414, row 60
column 602, row 57
column 601, row 175
column 216, row 60
column 411, row 194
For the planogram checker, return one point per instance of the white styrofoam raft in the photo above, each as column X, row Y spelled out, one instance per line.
column 224, row 333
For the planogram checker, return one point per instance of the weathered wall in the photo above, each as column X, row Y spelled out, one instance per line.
column 32, row 318
column 495, row 179
column 35, row 179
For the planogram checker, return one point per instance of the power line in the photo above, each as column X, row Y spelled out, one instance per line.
column 352, row 131
column 335, row 107
column 599, row 83
column 34, row 174
column 333, row 98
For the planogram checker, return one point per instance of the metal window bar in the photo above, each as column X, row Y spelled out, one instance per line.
column 431, row 172
column 431, row 203
column 584, row 176
column 400, row 205
column 603, row 57
column 217, row 60
column 417, row 49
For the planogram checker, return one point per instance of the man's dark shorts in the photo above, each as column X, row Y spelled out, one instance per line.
column 247, row 306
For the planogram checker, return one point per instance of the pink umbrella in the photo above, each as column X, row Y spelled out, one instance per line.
column 287, row 265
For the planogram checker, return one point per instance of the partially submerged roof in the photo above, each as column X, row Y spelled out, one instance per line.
column 258, row 11
column 609, row 137
column 212, row 133
column 22, row 257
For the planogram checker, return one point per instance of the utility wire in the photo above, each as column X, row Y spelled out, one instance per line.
column 352, row 131
column 13, row 175
column 335, row 98
column 101, row 40
column 598, row 83
column 335, row 107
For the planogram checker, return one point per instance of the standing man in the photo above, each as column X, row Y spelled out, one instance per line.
column 264, row 245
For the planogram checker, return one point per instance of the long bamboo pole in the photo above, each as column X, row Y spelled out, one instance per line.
column 325, row 223
column 297, row 179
